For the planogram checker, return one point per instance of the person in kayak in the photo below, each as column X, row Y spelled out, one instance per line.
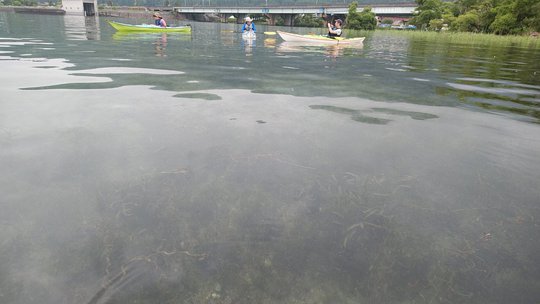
column 248, row 25
column 159, row 21
column 335, row 30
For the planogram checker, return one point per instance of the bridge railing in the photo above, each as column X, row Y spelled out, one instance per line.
column 286, row 3
column 377, row 9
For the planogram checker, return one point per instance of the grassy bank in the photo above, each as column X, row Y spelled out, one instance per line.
column 470, row 38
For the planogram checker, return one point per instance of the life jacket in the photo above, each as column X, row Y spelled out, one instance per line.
column 335, row 35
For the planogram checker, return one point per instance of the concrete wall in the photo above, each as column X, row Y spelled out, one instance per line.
column 77, row 7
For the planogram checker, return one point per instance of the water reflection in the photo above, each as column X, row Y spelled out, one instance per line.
column 377, row 116
column 161, row 45
column 158, row 40
column 248, row 43
column 270, row 42
column 493, row 95
column 82, row 27
column 332, row 51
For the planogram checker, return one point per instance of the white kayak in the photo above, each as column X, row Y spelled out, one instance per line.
column 249, row 35
column 290, row 37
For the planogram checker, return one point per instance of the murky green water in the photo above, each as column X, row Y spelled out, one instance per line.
column 165, row 168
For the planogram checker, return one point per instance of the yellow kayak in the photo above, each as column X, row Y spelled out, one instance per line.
column 123, row 27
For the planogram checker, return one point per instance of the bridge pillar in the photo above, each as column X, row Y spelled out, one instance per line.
column 271, row 19
column 288, row 19
column 222, row 18
column 240, row 18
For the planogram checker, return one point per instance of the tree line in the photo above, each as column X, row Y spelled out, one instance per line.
column 501, row 17
column 483, row 16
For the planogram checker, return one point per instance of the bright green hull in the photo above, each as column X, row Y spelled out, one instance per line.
column 148, row 28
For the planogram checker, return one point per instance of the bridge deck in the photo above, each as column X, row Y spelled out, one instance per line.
column 379, row 9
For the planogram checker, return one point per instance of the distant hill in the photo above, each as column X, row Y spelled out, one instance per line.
column 244, row 3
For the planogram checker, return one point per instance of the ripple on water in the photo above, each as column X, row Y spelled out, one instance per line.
column 499, row 95
column 127, row 70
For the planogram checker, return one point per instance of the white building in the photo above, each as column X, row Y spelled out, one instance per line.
column 82, row 7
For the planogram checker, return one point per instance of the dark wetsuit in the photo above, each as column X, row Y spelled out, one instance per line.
column 334, row 35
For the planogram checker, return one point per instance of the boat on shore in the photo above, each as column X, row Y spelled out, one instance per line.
column 318, row 39
column 124, row 27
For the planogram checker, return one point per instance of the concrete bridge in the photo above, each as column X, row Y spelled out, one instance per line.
column 288, row 13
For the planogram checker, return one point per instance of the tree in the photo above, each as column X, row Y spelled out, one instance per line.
column 533, row 22
column 464, row 6
column 427, row 10
column 436, row 24
column 527, row 14
column 486, row 14
column 504, row 24
column 364, row 20
column 469, row 22
column 307, row 20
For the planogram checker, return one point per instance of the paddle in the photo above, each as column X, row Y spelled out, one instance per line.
column 270, row 33
column 238, row 32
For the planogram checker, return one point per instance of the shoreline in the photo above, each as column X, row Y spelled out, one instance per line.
column 33, row 10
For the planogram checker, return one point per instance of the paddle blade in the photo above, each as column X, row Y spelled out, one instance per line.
column 270, row 33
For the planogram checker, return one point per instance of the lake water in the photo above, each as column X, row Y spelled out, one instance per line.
column 204, row 168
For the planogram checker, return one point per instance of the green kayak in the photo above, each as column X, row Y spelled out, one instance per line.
column 123, row 27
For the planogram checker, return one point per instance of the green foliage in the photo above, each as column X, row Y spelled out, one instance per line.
column 504, row 24
column 353, row 14
column 387, row 21
column 308, row 20
column 436, row 24
column 364, row 20
column 496, row 16
column 478, row 39
column 469, row 22
column 533, row 23
column 486, row 15
column 448, row 19
column 427, row 10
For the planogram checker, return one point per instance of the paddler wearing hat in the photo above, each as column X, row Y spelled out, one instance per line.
column 248, row 25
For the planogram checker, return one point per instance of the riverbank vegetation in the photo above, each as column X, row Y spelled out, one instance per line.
column 500, row 17
column 470, row 38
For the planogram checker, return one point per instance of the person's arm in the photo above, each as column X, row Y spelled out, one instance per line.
column 329, row 27
column 253, row 26
column 163, row 23
column 331, row 30
column 243, row 27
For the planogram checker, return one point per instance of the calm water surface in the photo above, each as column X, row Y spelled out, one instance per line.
column 203, row 168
